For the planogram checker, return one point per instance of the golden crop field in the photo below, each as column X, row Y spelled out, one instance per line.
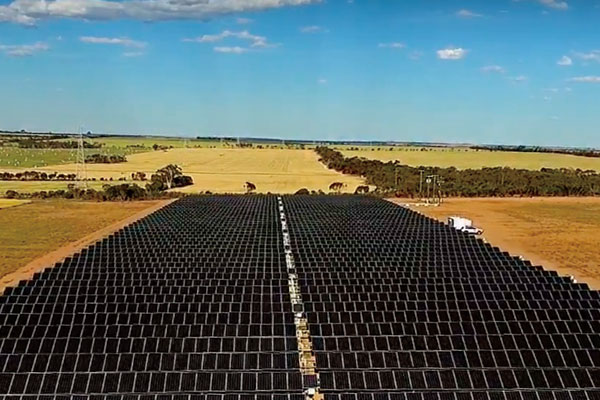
column 34, row 229
column 463, row 158
column 558, row 233
column 6, row 203
column 226, row 170
column 38, row 186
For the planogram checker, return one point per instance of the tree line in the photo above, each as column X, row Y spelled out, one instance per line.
column 165, row 178
column 393, row 178
column 54, row 144
column 540, row 149
column 36, row 176
column 105, row 159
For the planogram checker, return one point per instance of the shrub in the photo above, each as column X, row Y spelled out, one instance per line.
column 105, row 159
column 302, row 191
column 361, row 190
column 250, row 187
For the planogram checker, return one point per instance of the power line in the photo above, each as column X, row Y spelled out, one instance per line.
column 81, row 167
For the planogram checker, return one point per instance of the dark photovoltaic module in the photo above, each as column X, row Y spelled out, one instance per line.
column 193, row 302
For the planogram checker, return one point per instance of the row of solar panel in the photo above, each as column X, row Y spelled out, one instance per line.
column 148, row 382
column 460, row 359
column 147, row 331
column 201, row 337
column 155, row 318
column 429, row 395
column 43, row 362
column 149, row 345
column 65, row 362
column 461, row 379
column 259, row 296
column 468, row 292
column 21, row 313
column 272, row 277
column 456, row 342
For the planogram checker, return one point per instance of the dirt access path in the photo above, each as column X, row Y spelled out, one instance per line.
column 562, row 234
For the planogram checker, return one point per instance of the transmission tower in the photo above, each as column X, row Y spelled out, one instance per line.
column 81, row 168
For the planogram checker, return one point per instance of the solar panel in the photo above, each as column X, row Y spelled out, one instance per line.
column 193, row 302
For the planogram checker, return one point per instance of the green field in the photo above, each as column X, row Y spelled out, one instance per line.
column 15, row 157
column 11, row 156
column 464, row 158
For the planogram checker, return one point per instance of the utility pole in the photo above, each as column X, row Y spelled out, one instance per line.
column 81, row 168
column 433, row 191
column 440, row 183
column 421, row 172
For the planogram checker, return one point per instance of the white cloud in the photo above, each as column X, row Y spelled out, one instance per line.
column 468, row 14
column 585, row 79
column 313, row 29
column 322, row 81
column 120, row 41
column 518, row 78
column 493, row 68
column 557, row 5
column 593, row 55
column 28, row 12
column 451, row 53
column 256, row 41
column 243, row 21
column 392, row 45
column 565, row 61
column 23, row 50
column 231, row 50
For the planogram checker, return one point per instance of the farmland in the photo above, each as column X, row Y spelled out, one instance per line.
column 38, row 186
column 559, row 233
column 223, row 170
column 32, row 230
column 464, row 158
column 12, row 156
column 7, row 203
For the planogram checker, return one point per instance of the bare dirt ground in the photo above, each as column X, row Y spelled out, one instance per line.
column 562, row 234
column 40, row 234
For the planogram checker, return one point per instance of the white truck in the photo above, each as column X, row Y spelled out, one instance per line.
column 464, row 225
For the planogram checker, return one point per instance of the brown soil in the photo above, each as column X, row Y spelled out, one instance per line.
column 561, row 234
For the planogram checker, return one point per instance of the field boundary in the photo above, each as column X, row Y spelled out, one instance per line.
column 48, row 260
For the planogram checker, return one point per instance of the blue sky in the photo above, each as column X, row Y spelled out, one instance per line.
column 501, row 71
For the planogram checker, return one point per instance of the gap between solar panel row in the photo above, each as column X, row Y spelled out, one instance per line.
column 310, row 375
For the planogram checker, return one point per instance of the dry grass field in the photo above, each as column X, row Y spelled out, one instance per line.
column 463, row 158
column 7, row 203
column 559, row 233
column 32, row 230
column 226, row 170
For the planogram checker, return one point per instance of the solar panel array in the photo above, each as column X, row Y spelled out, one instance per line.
column 192, row 302
column 192, row 299
column 397, row 302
